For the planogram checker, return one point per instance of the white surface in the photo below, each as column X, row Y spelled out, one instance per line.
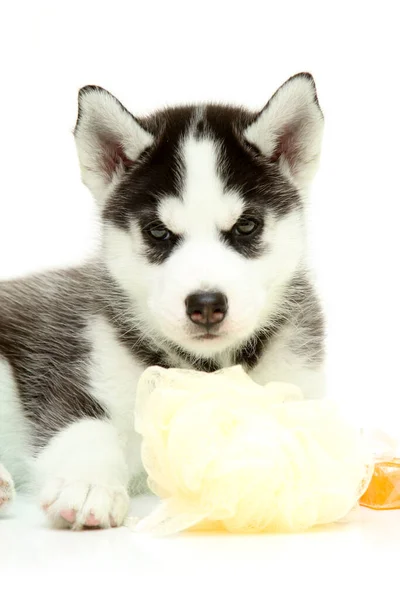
column 355, row 559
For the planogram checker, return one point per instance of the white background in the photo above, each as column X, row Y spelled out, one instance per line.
column 150, row 54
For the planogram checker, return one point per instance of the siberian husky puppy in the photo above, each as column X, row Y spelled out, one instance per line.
column 202, row 265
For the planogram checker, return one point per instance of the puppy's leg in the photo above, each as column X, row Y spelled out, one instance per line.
column 83, row 476
column 7, row 491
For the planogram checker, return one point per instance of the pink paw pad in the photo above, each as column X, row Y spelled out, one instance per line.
column 6, row 493
column 68, row 515
column 91, row 521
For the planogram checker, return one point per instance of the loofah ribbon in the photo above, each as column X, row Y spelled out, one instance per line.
column 225, row 453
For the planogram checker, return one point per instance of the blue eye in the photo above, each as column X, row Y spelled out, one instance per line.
column 159, row 233
column 245, row 227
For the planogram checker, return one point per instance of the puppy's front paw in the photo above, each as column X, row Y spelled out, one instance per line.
column 7, row 490
column 77, row 504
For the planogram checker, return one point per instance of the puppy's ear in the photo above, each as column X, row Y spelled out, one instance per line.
column 289, row 129
column 108, row 140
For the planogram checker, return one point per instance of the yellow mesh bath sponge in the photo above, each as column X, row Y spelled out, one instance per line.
column 223, row 452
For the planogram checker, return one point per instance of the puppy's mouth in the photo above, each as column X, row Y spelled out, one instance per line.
column 207, row 336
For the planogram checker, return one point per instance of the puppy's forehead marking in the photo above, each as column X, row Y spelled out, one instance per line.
column 198, row 116
column 205, row 205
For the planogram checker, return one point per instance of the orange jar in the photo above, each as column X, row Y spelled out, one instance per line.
column 383, row 492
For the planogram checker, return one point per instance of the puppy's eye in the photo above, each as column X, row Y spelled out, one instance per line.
column 245, row 227
column 159, row 233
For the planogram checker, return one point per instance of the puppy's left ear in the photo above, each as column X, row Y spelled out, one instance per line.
column 108, row 140
column 289, row 129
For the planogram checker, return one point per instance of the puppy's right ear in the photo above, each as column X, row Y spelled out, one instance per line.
column 289, row 129
column 108, row 140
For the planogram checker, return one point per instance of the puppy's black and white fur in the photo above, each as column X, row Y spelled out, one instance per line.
column 202, row 265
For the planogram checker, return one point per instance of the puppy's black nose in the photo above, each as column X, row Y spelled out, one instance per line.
column 206, row 308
